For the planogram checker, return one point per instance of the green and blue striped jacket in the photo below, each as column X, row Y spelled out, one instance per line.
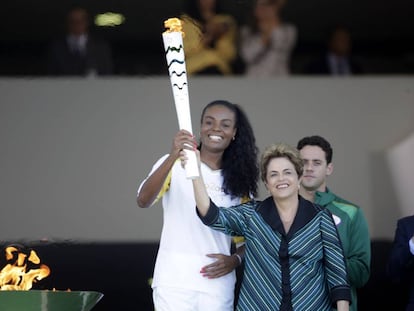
column 303, row 269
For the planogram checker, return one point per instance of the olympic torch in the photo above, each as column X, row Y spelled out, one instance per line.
column 174, row 53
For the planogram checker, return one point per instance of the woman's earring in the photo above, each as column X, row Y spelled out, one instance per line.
column 234, row 138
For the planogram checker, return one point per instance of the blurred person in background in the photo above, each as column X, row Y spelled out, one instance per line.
column 267, row 43
column 79, row 52
column 210, row 38
column 337, row 60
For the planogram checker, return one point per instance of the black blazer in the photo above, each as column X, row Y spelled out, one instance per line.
column 401, row 262
column 321, row 66
column 63, row 61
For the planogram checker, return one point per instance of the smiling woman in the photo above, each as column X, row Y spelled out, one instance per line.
column 189, row 249
column 292, row 246
column 282, row 182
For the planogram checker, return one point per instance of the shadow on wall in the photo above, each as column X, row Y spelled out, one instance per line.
column 399, row 159
column 385, row 210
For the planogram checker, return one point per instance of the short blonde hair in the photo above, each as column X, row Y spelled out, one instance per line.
column 280, row 150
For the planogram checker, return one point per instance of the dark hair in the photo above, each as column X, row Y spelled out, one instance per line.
column 336, row 29
column 239, row 167
column 318, row 141
column 252, row 20
column 77, row 7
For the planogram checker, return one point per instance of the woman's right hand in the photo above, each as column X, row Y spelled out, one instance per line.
column 182, row 140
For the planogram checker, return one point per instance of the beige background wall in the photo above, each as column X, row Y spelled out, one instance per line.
column 72, row 152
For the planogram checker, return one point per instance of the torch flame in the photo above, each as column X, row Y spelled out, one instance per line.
column 16, row 275
column 173, row 25
column 33, row 257
column 9, row 252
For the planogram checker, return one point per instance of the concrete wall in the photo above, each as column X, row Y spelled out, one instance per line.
column 72, row 152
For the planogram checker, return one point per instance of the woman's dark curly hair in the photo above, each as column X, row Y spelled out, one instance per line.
column 240, row 169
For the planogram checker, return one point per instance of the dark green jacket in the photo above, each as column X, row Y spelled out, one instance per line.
column 354, row 235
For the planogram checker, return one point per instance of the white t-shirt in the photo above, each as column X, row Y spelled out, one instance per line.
column 185, row 240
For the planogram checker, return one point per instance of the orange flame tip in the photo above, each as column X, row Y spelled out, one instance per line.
column 173, row 25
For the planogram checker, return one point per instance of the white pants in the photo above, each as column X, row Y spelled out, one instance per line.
column 177, row 299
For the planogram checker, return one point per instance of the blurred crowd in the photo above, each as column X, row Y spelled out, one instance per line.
column 264, row 44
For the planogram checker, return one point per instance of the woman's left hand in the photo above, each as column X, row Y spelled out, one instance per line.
column 184, row 158
column 222, row 266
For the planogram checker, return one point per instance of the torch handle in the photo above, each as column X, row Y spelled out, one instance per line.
column 191, row 168
column 182, row 107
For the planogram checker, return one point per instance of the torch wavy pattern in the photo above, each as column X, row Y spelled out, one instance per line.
column 177, row 74
column 175, row 61
column 182, row 86
column 174, row 49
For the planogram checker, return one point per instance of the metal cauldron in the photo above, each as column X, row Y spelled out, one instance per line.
column 45, row 300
